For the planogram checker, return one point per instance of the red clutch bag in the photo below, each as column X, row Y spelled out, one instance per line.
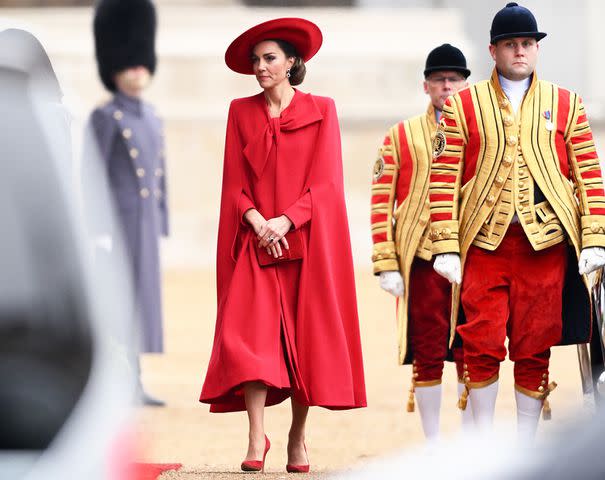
column 295, row 252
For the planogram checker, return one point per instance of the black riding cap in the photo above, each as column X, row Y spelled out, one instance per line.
column 446, row 57
column 514, row 21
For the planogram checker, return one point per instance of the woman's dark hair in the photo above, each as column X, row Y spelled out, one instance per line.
column 298, row 70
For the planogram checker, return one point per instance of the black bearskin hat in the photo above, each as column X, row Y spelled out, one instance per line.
column 124, row 33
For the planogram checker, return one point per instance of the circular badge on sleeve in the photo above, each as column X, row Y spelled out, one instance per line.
column 439, row 143
column 379, row 168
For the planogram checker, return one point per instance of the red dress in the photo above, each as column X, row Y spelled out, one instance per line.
column 292, row 326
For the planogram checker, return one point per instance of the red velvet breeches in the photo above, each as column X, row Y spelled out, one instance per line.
column 429, row 321
column 513, row 291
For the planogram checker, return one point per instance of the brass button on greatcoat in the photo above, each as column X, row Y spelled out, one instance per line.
column 521, row 196
column 140, row 172
column 446, row 233
column 508, row 121
column 490, row 200
column 134, row 153
column 144, row 192
column 499, row 181
column 540, row 389
column 595, row 227
column 127, row 133
column 507, row 161
column 118, row 115
column 504, row 103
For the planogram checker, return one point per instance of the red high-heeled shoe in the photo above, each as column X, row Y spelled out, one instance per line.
column 299, row 468
column 257, row 465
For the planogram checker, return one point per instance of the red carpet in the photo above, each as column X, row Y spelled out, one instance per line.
column 151, row 471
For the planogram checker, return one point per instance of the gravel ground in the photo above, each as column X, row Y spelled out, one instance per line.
column 211, row 446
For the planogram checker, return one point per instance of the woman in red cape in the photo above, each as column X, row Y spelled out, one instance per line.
column 288, row 329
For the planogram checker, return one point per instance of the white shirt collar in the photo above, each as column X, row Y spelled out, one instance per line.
column 515, row 89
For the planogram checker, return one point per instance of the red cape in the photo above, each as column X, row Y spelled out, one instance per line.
column 289, row 165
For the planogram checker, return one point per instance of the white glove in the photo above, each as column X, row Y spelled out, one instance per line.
column 392, row 282
column 448, row 265
column 104, row 241
column 591, row 259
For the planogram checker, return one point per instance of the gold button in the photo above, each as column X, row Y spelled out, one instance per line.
column 499, row 181
column 518, row 148
column 144, row 192
column 127, row 133
column 521, row 185
column 434, row 234
column 467, row 380
column 545, row 375
column 140, row 172
column 490, row 201
column 508, row 121
column 595, row 227
column 504, row 103
column 521, row 208
column 118, row 115
column 446, row 233
column 158, row 193
column 415, row 375
column 159, row 172
column 134, row 153
column 507, row 161
column 521, row 172
column 379, row 256
column 511, row 140
column 543, row 382
column 540, row 389
column 521, row 196
column 465, row 366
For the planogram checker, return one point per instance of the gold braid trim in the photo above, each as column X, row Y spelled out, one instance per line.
column 546, row 411
column 428, row 383
column 463, row 400
column 411, row 406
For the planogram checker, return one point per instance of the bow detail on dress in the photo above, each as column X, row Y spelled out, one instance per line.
column 301, row 112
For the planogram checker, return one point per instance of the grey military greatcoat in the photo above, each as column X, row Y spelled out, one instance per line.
column 130, row 140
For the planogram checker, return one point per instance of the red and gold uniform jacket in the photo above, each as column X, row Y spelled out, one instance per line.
column 400, row 205
column 538, row 166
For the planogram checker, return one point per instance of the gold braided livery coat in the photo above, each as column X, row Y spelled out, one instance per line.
column 400, row 205
column 540, row 164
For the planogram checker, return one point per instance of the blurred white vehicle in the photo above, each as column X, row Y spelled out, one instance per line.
column 65, row 382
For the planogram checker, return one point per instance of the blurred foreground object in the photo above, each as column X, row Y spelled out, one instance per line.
column 65, row 384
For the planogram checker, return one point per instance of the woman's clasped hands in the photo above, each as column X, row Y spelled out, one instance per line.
column 270, row 233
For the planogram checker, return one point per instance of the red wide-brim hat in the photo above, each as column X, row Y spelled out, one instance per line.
column 304, row 35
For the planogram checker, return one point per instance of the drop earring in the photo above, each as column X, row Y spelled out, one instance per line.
column 288, row 73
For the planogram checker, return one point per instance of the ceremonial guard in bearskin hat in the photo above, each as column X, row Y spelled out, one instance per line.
column 130, row 140
column 402, row 248
column 518, row 218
